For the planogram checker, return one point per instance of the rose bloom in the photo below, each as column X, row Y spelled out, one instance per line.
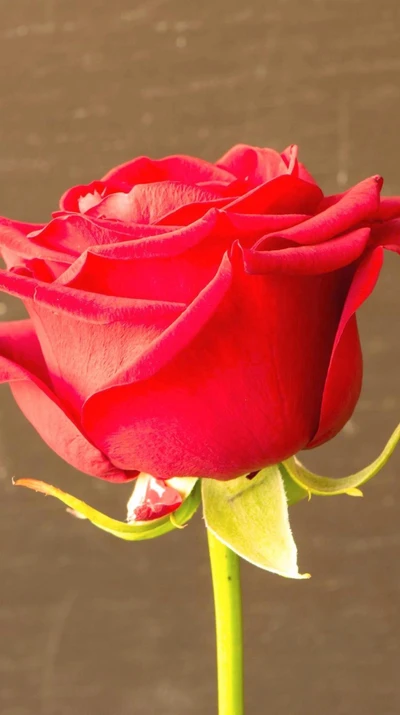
column 193, row 319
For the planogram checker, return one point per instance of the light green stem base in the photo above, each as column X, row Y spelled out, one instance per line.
column 225, row 570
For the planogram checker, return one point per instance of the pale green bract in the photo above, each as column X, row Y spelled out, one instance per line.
column 250, row 516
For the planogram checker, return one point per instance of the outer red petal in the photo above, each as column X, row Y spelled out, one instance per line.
column 22, row 364
column 344, row 376
column 235, row 384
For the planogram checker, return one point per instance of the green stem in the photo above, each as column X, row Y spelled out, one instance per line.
column 225, row 570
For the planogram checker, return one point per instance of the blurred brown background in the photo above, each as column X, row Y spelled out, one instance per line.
column 91, row 625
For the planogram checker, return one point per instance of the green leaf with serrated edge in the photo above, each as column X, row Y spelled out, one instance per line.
column 327, row 486
column 128, row 532
column 251, row 518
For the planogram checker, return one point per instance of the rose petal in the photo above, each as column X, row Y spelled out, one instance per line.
column 18, row 248
column 344, row 376
column 253, row 164
column 359, row 204
column 175, row 268
column 86, row 337
column 185, row 215
column 172, row 168
column 311, row 260
column 281, row 195
column 76, row 232
column 88, row 307
column 152, row 499
column 233, row 385
column 295, row 167
column 173, row 240
column 389, row 207
column 22, row 364
column 148, row 203
column 79, row 198
column 71, row 234
column 387, row 235
column 188, row 260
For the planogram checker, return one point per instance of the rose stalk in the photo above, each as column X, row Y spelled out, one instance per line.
column 225, row 569
column 192, row 326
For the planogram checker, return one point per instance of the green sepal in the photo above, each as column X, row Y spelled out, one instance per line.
column 251, row 518
column 128, row 532
column 327, row 486
column 294, row 492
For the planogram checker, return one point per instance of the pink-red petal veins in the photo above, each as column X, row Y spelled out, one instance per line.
column 148, row 203
column 344, row 376
column 311, row 260
column 22, row 365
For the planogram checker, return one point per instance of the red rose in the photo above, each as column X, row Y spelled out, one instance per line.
column 189, row 318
